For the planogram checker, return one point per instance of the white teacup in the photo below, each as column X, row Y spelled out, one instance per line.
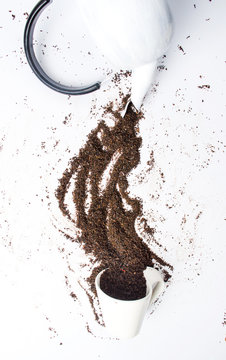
column 123, row 318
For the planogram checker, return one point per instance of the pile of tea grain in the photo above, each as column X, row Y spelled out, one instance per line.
column 123, row 285
column 107, row 224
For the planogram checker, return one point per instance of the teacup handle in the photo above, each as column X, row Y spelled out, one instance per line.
column 34, row 64
column 155, row 281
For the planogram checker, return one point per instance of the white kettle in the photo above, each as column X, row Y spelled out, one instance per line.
column 132, row 34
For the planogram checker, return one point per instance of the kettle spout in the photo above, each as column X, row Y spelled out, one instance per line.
column 142, row 78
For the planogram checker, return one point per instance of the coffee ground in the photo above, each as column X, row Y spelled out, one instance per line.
column 98, row 176
column 123, row 285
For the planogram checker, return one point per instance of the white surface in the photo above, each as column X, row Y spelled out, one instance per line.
column 187, row 137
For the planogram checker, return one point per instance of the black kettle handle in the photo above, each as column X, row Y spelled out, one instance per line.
column 34, row 64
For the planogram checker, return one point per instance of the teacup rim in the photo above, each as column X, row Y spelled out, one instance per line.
column 149, row 290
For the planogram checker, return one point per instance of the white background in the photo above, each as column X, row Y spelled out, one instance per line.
column 185, row 128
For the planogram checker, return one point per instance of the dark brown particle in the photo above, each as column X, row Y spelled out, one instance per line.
column 204, row 87
column 181, row 49
column 107, row 227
